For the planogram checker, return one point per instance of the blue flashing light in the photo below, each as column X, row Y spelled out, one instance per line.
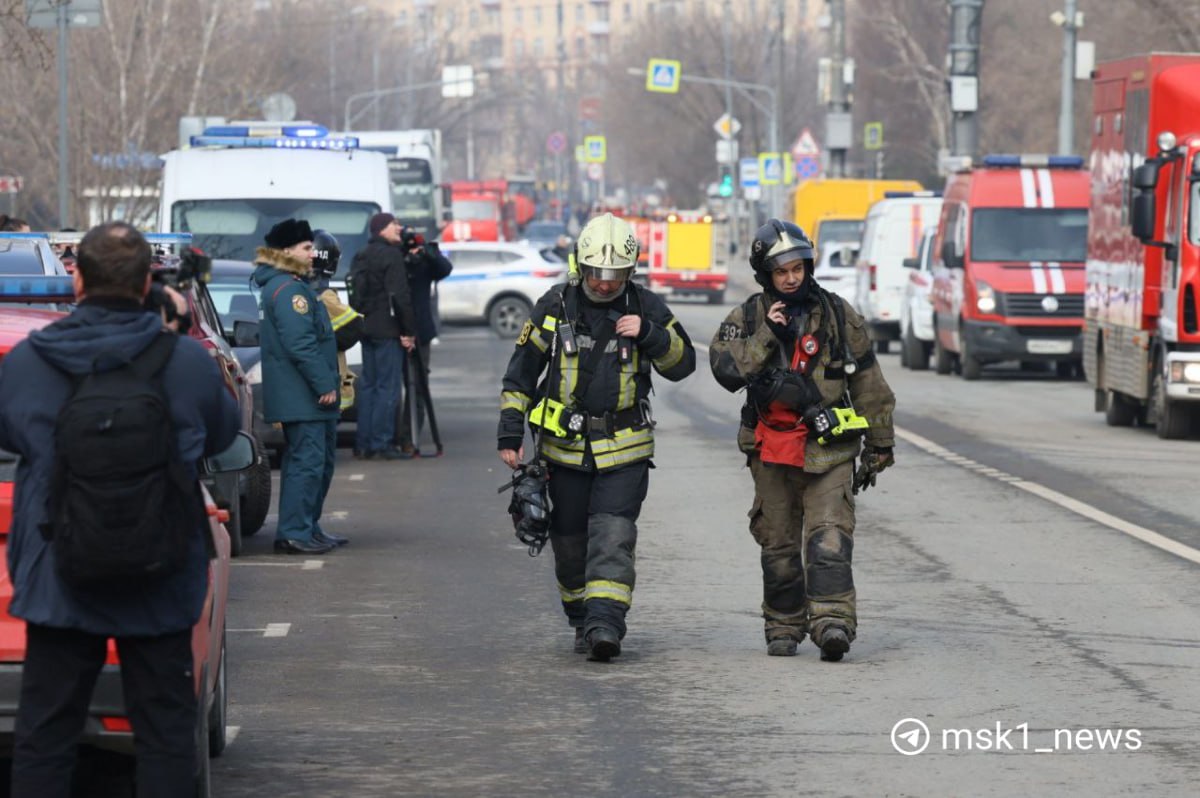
column 56, row 288
column 918, row 194
column 1027, row 161
column 168, row 239
column 268, row 131
column 26, row 236
column 276, row 142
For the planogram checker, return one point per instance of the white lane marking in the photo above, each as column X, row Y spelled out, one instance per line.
column 306, row 565
column 1028, row 193
column 1039, row 277
column 277, row 630
column 339, row 515
column 231, row 733
column 1057, row 284
column 1046, row 186
column 357, row 477
column 1066, row 502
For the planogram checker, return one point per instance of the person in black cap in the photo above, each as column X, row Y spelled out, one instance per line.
column 381, row 293
column 300, row 384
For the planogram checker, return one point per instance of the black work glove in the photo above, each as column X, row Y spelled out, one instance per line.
column 786, row 333
column 871, row 462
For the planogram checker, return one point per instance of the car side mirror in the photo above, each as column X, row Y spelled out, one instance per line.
column 245, row 333
column 238, row 457
column 911, row 263
column 950, row 258
column 1145, row 176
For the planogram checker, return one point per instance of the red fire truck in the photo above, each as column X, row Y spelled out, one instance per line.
column 1012, row 239
column 489, row 210
column 1142, row 334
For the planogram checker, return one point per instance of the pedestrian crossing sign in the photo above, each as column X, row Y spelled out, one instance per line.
column 595, row 149
column 770, row 168
column 662, row 75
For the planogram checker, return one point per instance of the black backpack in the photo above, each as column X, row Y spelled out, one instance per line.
column 365, row 285
column 123, row 508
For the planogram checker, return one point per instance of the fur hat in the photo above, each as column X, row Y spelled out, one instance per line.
column 380, row 221
column 289, row 233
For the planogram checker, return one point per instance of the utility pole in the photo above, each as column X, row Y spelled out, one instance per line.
column 965, row 17
column 838, row 132
column 564, row 166
column 64, row 157
column 724, row 169
column 1066, row 113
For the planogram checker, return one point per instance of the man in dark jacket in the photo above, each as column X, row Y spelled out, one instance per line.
column 381, row 294
column 426, row 265
column 300, row 384
column 67, row 626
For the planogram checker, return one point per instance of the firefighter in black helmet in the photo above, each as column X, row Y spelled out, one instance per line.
column 347, row 323
column 814, row 393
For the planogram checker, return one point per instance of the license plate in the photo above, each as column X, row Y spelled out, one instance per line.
column 1051, row 347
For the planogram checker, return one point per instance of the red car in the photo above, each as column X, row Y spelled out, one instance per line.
column 107, row 726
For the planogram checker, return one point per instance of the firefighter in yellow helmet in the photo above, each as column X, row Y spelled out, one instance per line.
column 580, row 375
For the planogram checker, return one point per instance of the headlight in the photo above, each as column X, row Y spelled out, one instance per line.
column 1185, row 372
column 985, row 298
column 254, row 375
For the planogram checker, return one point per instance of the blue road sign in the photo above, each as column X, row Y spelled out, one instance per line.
column 807, row 166
column 770, row 168
column 663, row 74
column 748, row 172
column 556, row 143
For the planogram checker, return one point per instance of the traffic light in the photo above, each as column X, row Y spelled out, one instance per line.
column 726, row 187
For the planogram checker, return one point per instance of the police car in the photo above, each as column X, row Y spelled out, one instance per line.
column 496, row 283
column 28, row 253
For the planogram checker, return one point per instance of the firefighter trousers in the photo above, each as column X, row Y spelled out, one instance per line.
column 593, row 531
column 805, row 526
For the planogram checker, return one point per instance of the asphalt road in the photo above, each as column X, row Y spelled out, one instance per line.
column 430, row 656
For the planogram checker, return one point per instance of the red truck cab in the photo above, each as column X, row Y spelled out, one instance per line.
column 1012, row 239
column 1142, row 334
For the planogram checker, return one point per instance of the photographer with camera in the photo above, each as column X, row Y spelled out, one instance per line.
column 108, row 535
column 806, row 361
column 425, row 265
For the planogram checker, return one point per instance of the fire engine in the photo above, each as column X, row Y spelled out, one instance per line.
column 1142, row 333
column 489, row 210
column 1012, row 237
column 688, row 253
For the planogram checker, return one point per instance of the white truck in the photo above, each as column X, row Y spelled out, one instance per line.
column 419, row 198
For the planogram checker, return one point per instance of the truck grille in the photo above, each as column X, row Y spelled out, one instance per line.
column 1069, row 305
column 1033, row 331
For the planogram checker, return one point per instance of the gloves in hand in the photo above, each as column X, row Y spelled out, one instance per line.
column 871, row 462
column 786, row 333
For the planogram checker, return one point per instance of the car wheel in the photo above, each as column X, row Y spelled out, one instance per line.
column 234, row 527
column 970, row 365
column 943, row 360
column 256, row 502
column 203, row 765
column 507, row 315
column 218, row 715
column 913, row 352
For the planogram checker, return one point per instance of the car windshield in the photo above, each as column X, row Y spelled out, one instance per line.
column 19, row 259
column 412, row 201
column 474, row 209
column 234, row 299
column 544, row 231
column 1021, row 235
column 832, row 230
column 234, row 229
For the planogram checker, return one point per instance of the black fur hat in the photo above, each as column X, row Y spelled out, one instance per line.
column 289, row 233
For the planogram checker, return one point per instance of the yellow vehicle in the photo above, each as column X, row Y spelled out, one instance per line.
column 688, row 254
column 835, row 209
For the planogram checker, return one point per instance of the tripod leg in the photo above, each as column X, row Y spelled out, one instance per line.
column 427, row 399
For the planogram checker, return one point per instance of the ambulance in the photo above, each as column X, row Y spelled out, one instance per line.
column 1012, row 240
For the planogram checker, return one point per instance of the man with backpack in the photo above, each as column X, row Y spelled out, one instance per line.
column 110, row 414
column 380, row 292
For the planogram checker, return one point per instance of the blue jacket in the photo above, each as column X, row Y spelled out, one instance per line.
column 299, row 350
column 424, row 269
column 33, row 388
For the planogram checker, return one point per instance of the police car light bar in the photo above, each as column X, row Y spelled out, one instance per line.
column 900, row 194
column 25, row 236
column 268, row 131
column 276, row 143
column 56, row 288
column 1051, row 161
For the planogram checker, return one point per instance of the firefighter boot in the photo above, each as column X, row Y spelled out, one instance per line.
column 782, row 647
column 603, row 644
column 581, row 646
column 835, row 642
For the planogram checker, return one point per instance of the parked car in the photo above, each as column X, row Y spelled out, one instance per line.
column 916, row 313
column 835, row 268
column 247, row 495
column 496, row 283
column 28, row 253
column 543, row 233
column 107, row 725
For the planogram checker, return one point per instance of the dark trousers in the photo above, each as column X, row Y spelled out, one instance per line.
column 405, row 435
column 305, row 473
column 378, row 392
column 593, row 530
column 60, row 670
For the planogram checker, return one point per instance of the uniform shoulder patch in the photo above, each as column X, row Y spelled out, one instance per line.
column 526, row 331
column 299, row 304
column 729, row 331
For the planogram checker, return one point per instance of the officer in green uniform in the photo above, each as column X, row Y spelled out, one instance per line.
column 596, row 339
column 814, row 390
column 300, row 384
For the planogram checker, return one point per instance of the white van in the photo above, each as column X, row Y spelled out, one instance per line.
column 892, row 234
column 238, row 180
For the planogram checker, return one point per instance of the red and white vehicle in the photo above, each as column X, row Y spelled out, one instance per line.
column 1142, row 336
column 688, row 253
column 1012, row 239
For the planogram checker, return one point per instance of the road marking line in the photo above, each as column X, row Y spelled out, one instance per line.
column 306, row 565
column 277, row 630
column 231, row 733
column 339, row 515
column 312, row 565
column 1066, row 502
column 357, row 477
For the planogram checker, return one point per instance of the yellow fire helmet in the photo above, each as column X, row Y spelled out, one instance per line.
column 606, row 250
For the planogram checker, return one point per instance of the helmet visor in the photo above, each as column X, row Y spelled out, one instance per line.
column 607, row 273
column 789, row 259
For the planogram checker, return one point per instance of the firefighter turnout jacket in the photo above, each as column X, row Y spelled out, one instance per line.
column 605, row 397
column 343, row 317
column 745, row 348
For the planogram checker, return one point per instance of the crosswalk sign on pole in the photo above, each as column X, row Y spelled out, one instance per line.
column 770, row 168
column 873, row 136
column 595, row 149
column 662, row 75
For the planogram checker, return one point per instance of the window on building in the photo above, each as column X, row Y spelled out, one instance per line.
column 580, row 43
column 519, row 15
column 493, row 16
column 579, row 12
column 519, row 47
column 537, row 15
column 602, row 13
column 627, row 13
column 473, row 18
column 537, row 47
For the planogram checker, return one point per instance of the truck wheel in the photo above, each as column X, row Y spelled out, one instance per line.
column 881, row 347
column 716, row 298
column 913, row 352
column 972, row 369
column 943, row 361
column 1119, row 411
column 507, row 315
column 1171, row 420
column 256, row 502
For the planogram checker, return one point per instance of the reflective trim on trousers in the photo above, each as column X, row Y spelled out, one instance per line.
column 614, row 591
